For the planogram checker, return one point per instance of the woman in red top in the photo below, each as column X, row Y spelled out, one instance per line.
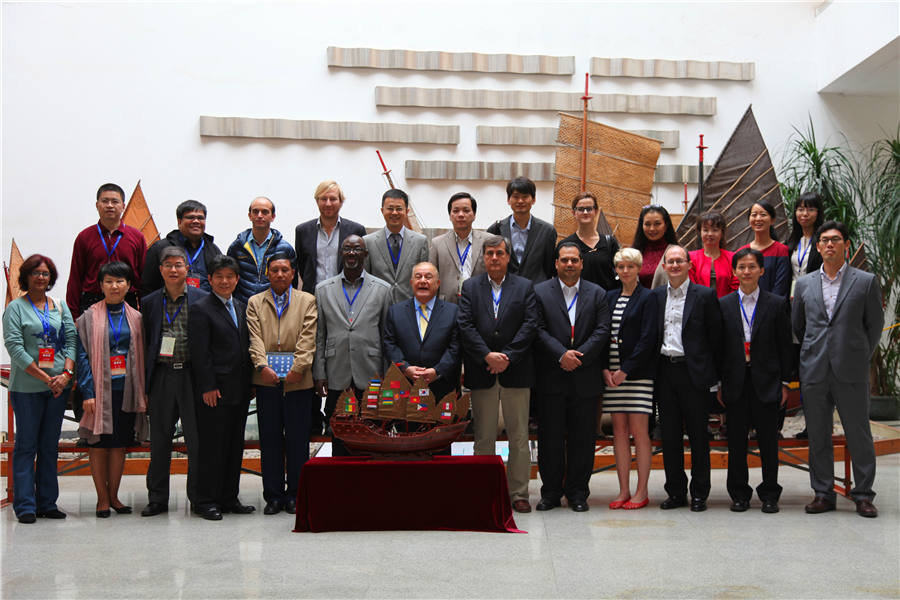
column 711, row 265
column 776, row 256
column 653, row 235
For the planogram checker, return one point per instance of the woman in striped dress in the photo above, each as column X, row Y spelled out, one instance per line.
column 629, row 375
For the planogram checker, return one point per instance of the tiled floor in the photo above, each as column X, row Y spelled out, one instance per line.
column 647, row 553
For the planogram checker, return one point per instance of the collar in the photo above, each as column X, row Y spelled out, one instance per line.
column 676, row 291
column 837, row 277
column 265, row 241
column 388, row 232
column 283, row 297
column 491, row 281
column 357, row 282
column 514, row 225
column 429, row 304
column 224, row 300
column 459, row 240
column 176, row 298
column 754, row 295
column 565, row 287
column 118, row 228
column 319, row 223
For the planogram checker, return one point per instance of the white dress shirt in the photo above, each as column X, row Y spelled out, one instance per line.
column 675, row 297
column 749, row 303
column 830, row 288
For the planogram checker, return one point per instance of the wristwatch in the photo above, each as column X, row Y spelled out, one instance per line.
column 68, row 372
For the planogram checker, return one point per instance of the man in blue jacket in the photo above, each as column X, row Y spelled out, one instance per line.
column 254, row 246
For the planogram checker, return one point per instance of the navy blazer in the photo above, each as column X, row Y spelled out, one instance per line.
column 771, row 351
column 592, row 324
column 638, row 331
column 539, row 258
column 512, row 332
column 439, row 350
column 152, row 319
column 305, row 235
column 220, row 356
column 701, row 331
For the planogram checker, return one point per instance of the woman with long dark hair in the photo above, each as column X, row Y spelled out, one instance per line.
column 653, row 235
column 808, row 215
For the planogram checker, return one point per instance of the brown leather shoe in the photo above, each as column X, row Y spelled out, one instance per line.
column 521, row 506
column 819, row 505
column 865, row 508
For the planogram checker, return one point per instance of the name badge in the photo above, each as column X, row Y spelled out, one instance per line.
column 192, row 281
column 117, row 365
column 46, row 356
column 747, row 351
column 167, row 346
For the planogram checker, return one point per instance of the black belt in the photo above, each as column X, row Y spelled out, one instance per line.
column 175, row 366
column 674, row 359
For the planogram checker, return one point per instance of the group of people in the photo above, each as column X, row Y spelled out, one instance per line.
column 533, row 327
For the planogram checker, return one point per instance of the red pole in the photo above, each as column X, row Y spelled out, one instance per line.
column 387, row 172
column 584, row 120
column 701, row 148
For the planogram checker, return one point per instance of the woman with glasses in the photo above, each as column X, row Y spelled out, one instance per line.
column 597, row 250
column 653, row 235
column 40, row 337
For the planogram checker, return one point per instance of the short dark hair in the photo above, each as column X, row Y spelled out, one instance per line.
column 492, row 241
column 189, row 206
column 170, row 251
column 748, row 251
column 640, row 239
column 30, row 264
column 831, row 224
column 568, row 245
column 581, row 196
column 116, row 269
column 272, row 204
column 111, row 187
column 395, row 193
column 715, row 220
column 281, row 256
column 223, row 261
column 523, row 185
column 460, row 196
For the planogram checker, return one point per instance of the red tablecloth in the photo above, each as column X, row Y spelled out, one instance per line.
column 462, row 493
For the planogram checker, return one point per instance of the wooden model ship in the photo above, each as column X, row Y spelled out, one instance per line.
column 396, row 418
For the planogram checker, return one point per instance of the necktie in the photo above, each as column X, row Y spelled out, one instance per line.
column 395, row 248
column 423, row 320
column 230, row 306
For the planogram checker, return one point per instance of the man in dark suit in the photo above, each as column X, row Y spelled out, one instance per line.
column 574, row 329
column 533, row 241
column 170, row 385
column 219, row 342
column 837, row 316
column 420, row 334
column 756, row 364
column 498, row 318
column 318, row 242
column 689, row 334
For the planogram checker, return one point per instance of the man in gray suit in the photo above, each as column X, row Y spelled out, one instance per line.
column 352, row 309
column 457, row 254
column 395, row 250
column 838, row 317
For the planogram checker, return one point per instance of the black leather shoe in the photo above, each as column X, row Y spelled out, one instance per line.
column 819, row 505
column 290, row 506
column 673, row 502
column 864, row 508
column 27, row 518
column 698, row 504
column 547, row 504
column 803, row 435
column 272, row 508
column 210, row 513
column 103, row 514
column 238, row 509
column 122, row 510
column 770, row 506
column 153, row 509
column 579, row 505
column 53, row 513
column 740, row 505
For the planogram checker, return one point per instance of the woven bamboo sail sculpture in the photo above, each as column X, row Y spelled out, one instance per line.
column 137, row 214
column 742, row 176
column 619, row 172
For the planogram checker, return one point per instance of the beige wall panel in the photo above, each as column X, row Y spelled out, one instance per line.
column 451, row 170
column 546, row 136
column 672, row 69
column 329, row 130
column 556, row 101
column 373, row 58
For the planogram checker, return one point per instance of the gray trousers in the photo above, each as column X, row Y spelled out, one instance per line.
column 171, row 398
column 852, row 403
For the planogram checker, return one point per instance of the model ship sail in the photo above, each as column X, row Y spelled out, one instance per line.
column 420, row 408
column 393, row 397
column 742, row 175
column 11, row 272
column 137, row 215
column 619, row 172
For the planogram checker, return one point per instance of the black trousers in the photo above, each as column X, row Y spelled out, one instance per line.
column 681, row 401
column 283, row 439
column 221, row 430
column 171, row 397
column 763, row 416
column 567, row 432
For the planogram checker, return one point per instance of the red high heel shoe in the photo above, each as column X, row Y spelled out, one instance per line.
column 616, row 504
column 635, row 505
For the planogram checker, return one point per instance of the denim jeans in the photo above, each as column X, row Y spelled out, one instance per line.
column 38, row 422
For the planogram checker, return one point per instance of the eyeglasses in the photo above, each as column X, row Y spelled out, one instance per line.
column 675, row 261
column 180, row 265
column 393, row 209
column 193, row 218
column 835, row 239
column 44, row 274
column 584, row 209
column 353, row 250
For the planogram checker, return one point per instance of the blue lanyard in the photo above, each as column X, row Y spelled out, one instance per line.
column 288, row 302
column 462, row 257
column 109, row 252
column 191, row 259
column 165, row 312
column 800, row 256
column 572, row 303
column 422, row 314
column 116, row 332
column 349, row 301
column 496, row 299
column 45, row 319
column 396, row 260
column 752, row 317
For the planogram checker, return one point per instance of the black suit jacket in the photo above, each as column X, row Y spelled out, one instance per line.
column 771, row 352
column 592, row 323
column 638, row 333
column 512, row 332
column 220, row 357
column 439, row 350
column 701, row 331
column 305, row 246
column 152, row 319
column 539, row 260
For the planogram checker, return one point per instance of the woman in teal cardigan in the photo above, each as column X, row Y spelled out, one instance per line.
column 40, row 337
